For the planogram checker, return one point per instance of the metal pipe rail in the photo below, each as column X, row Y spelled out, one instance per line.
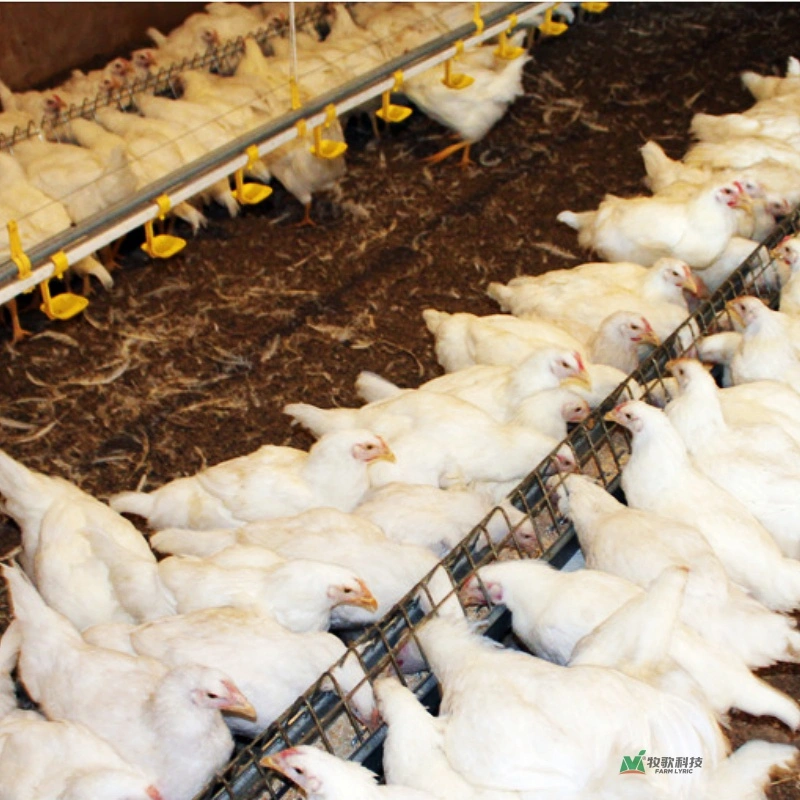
column 599, row 448
column 105, row 227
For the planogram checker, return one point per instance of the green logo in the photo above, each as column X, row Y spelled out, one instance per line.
column 633, row 765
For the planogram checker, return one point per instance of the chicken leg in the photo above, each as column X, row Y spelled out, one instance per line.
column 307, row 222
column 448, row 151
column 18, row 333
column 109, row 254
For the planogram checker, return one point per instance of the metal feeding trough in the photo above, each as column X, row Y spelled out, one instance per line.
column 326, row 718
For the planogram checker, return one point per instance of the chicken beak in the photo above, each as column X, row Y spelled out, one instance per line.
column 273, row 762
column 365, row 599
column 243, row 709
column 239, row 705
column 734, row 312
column 611, row 416
column 744, row 202
column 651, row 337
column 386, row 454
column 581, row 379
column 691, row 286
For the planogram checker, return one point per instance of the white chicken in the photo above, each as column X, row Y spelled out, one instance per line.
column 63, row 760
column 638, row 545
column 787, row 256
column 88, row 562
column 235, row 105
column 213, row 126
column 39, row 217
column 390, row 569
column 83, row 181
column 435, row 518
column 437, row 438
column 660, row 477
column 585, row 307
column 413, row 750
column 299, row 594
column 497, row 390
column 644, row 229
column 166, row 722
column 552, row 612
column 521, row 699
column 463, row 339
column 777, row 181
column 473, row 110
column 271, row 665
column 89, row 84
column 295, row 164
column 273, row 481
column 768, row 348
column 654, row 283
column 552, row 411
column 758, row 464
column 323, row 776
column 195, row 36
column 35, row 106
column 157, row 140
column 152, row 153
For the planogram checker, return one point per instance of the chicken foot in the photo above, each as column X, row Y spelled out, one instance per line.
column 448, row 151
column 306, row 222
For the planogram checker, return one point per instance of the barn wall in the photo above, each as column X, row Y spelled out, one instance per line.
column 41, row 42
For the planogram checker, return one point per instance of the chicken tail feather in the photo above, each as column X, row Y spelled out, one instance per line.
column 501, row 294
column 188, row 213
column 157, row 37
column 434, row 319
column 318, row 420
column 660, row 168
column 372, row 387
column 91, row 266
column 760, row 86
column 138, row 503
column 16, row 480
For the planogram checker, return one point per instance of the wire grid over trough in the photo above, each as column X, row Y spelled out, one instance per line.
column 325, row 717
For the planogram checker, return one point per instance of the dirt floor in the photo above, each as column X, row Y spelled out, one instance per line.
column 190, row 362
